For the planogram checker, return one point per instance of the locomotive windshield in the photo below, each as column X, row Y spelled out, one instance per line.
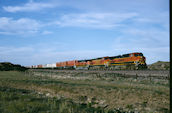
column 138, row 54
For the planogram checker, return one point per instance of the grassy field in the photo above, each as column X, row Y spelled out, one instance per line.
column 77, row 93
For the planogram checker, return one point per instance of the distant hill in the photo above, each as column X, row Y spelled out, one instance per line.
column 7, row 66
column 160, row 65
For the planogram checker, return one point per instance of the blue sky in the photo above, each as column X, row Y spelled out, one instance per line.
column 40, row 31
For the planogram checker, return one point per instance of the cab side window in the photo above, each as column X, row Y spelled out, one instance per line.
column 140, row 54
column 125, row 55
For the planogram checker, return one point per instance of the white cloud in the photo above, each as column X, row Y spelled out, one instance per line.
column 153, row 43
column 44, row 53
column 152, row 37
column 12, row 50
column 30, row 6
column 40, row 54
column 46, row 32
column 160, row 18
column 17, row 55
column 9, row 26
column 95, row 20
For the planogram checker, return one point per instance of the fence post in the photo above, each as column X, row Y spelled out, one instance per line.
column 136, row 76
column 168, row 76
column 51, row 73
column 29, row 73
column 150, row 77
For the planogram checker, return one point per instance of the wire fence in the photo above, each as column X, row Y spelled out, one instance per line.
column 138, row 75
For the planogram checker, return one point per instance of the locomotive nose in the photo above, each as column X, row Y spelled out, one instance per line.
column 144, row 58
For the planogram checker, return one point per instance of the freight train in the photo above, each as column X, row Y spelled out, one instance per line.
column 131, row 61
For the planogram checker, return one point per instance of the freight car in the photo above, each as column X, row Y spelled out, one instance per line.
column 130, row 61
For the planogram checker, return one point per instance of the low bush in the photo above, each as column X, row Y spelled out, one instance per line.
column 7, row 66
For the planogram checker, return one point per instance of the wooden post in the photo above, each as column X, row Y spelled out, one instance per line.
column 168, row 76
column 124, row 76
column 150, row 77
column 51, row 73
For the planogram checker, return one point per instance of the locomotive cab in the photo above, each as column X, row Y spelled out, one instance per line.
column 140, row 60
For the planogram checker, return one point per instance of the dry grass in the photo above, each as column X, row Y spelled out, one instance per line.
column 111, row 93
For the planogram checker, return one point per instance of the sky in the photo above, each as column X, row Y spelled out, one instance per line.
column 47, row 31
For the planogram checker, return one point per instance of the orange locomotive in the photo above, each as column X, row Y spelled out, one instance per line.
column 129, row 61
column 125, row 61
